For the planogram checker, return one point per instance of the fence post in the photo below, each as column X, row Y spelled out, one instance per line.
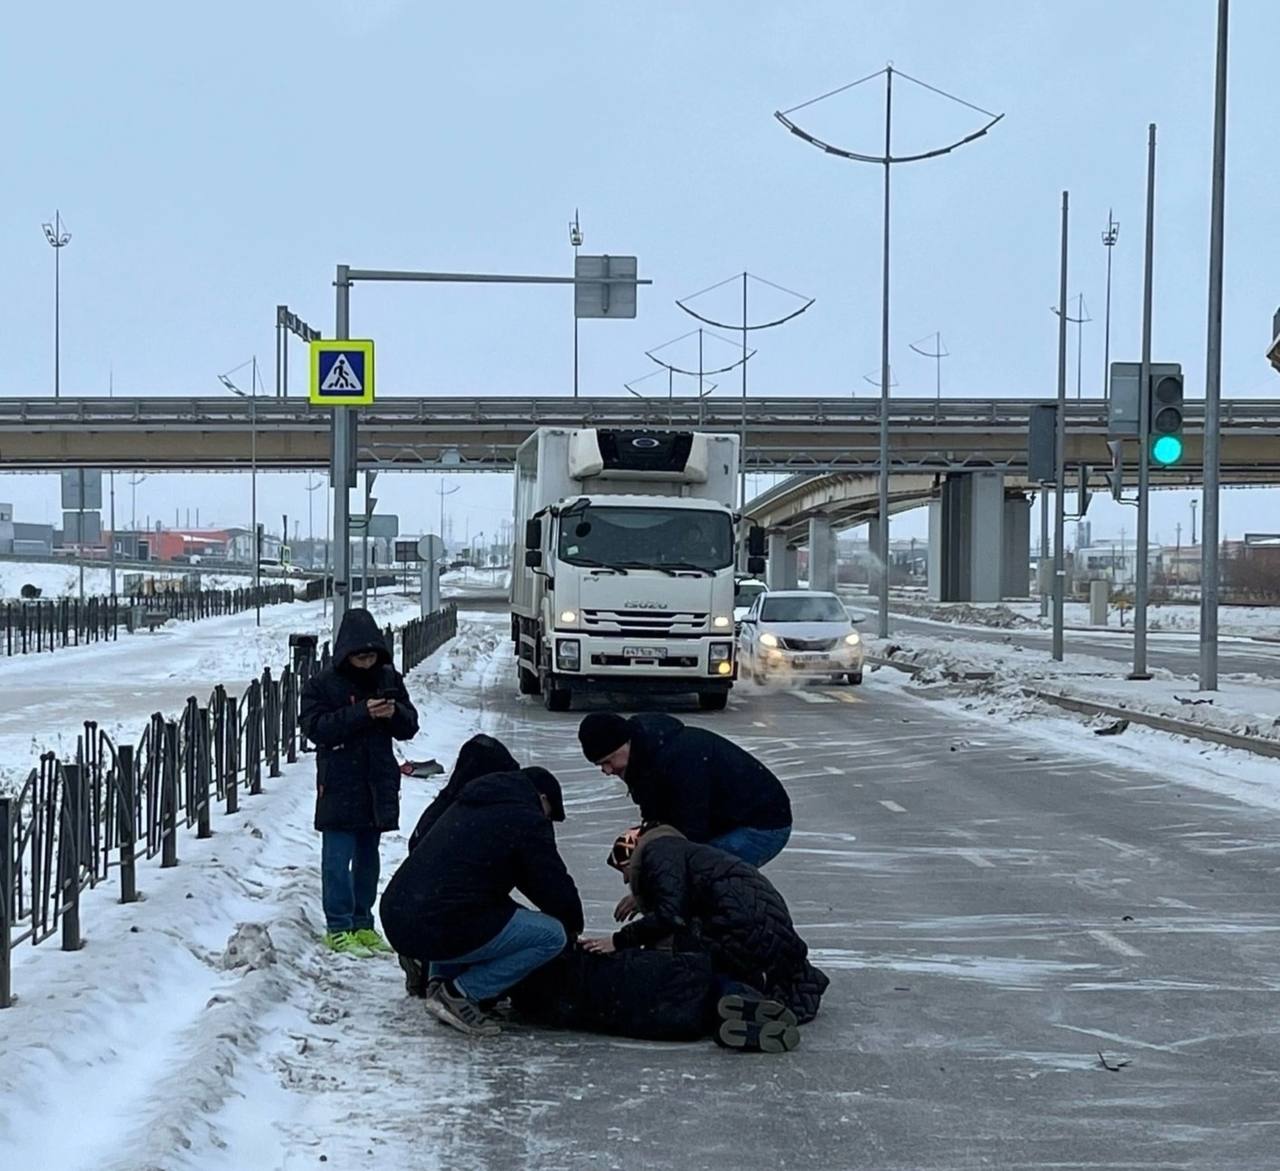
column 169, row 796
column 231, row 734
column 200, row 731
column 7, row 863
column 127, row 799
column 70, row 837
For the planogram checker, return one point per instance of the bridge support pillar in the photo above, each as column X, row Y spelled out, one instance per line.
column 822, row 554
column 782, row 572
column 1015, row 568
column 874, row 569
column 967, row 544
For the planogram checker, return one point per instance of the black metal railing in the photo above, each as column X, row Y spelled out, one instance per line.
column 75, row 822
column 31, row 627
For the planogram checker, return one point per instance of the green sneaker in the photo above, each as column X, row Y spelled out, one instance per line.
column 346, row 943
column 367, row 937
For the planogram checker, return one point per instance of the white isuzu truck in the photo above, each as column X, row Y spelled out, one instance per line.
column 623, row 566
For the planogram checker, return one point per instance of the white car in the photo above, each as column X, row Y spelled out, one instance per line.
column 794, row 634
column 745, row 592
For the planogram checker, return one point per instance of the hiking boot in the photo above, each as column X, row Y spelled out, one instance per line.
column 345, row 943
column 450, row 1007
column 754, row 1009
column 750, row 1037
column 499, row 1007
column 415, row 976
column 368, row 937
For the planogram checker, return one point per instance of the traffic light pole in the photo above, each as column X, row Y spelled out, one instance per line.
column 1140, row 671
column 1060, row 454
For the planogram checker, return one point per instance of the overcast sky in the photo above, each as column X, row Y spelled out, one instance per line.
column 214, row 160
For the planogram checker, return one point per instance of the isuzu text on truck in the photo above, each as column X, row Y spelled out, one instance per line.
column 623, row 567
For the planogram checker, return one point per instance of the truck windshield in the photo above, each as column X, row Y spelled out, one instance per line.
column 681, row 538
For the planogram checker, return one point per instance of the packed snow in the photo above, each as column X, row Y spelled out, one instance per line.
column 62, row 580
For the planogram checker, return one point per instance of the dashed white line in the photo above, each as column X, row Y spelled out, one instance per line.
column 893, row 807
column 1114, row 943
column 814, row 697
column 831, row 768
column 976, row 858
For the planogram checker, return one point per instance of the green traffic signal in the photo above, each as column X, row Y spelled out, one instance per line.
column 1167, row 449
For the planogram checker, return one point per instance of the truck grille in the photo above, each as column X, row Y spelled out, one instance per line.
column 646, row 623
column 810, row 644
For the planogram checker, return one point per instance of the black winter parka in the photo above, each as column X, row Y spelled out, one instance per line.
column 453, row 892
column 357, row 774
column 710, row 901
column 699, row 782
column 478, row 757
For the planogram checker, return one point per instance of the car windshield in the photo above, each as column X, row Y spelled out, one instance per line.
column 640, row 538
column 747, row 593
column 813, row 608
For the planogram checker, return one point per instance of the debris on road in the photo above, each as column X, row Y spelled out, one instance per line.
column 1114, row 729
column 1113, row 1067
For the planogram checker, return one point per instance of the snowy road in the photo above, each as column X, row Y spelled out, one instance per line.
column 996, row 903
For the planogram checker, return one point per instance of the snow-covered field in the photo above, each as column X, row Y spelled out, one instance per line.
column 187, row 1035
column 46, row 698
column 57, row 580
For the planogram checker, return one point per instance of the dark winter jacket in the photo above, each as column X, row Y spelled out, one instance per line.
column 651, row 995
column 478, row 757
column 357, row 774
column 699, row 782
column 453, row 893
column 710, row 901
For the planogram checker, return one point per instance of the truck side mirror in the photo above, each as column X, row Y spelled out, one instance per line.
column 756, row 565
column 533, row 534
column 532, row 558
column 755, row 544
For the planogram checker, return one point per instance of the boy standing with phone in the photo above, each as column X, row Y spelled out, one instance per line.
column 352, row 711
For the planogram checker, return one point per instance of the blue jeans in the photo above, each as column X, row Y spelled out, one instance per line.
column 529, row 940
column 756, row 846
column 349, row 878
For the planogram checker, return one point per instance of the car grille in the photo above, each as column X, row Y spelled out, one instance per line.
column 646, row 623
column 810, row 644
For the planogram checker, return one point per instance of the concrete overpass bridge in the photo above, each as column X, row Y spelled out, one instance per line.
column 783, row 435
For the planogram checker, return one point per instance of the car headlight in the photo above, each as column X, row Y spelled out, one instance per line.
column 768, row 639
column 852, row 639
column 720, row 622
column 568, row 617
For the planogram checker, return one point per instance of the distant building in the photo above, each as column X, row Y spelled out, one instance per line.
column 1115, row 561
column 18, row 538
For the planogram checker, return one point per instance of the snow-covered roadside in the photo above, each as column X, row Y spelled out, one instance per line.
column 1246, row 707
column 177, row 1038
column 45, row 699
column 62, row 580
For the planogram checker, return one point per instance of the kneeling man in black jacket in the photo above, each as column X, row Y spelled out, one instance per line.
column 452, row 896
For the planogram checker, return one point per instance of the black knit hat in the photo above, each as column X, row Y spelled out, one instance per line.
column 602, row 734
column 547, row 785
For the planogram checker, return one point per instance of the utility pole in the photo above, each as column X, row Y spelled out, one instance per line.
column 575, row 239
column 1109, row 238
column 1060, row 447
column 1213, row 377
column 1193, row 523
column 1140, row 671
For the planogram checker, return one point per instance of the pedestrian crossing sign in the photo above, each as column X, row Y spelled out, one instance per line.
column 341, row 373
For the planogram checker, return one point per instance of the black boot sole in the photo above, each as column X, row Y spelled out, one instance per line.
column 749, row 1037
column 756, row 1010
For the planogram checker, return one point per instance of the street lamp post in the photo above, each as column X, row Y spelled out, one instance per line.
column 887, row 160
column 58, row 240
column 938, row 352
column 1109, row 238
column 225, row 379
column 575, row 239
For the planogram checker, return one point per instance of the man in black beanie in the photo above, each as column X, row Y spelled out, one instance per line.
column 711, row 790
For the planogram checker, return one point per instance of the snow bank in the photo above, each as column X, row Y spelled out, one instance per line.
column 56, row 580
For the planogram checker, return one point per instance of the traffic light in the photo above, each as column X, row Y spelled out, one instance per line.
column 1166, row 444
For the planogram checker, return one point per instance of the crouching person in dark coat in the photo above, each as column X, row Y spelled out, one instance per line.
column 352, row 711
column 697, row 898
column 449, row 905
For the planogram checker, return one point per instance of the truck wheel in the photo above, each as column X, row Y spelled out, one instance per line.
column 529, row 684
column 855, row 677
column 713, row 701
column 556, row 699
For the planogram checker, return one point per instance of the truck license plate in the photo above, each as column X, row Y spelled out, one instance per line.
column 644, row 652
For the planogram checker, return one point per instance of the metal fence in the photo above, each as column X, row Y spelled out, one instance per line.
column 48, row 624
column 77, row 823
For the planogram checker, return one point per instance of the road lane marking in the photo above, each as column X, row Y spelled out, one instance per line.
column 831, row 768
column 893, row 807
column 845, row 697
column 814, row 697
column 758, row 724
column 977, row 859
column 1130, row 851
column 1114, row 943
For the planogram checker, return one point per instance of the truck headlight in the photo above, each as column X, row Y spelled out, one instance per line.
column 852, row 639
column 720, row 622
column 568, row 617
column 568, row 654
column 768, row 639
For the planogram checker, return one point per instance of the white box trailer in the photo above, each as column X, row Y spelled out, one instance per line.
column 623, row 563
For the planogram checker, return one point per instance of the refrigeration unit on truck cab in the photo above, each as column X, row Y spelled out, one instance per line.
column 623, row 566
